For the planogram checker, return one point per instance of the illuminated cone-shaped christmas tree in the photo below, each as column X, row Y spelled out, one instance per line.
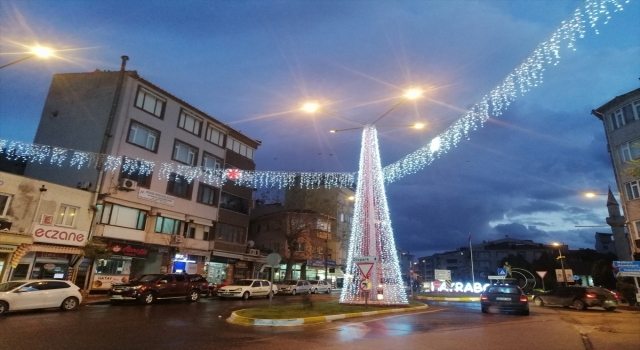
column 372, row 236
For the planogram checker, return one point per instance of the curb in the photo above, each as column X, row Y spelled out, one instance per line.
column 246, row 321
column 465, row 299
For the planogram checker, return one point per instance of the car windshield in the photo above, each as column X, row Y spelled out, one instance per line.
column 503, row 290
column 242, row 283
column 290, row 282
column 148, row 278
column 313, row 282
column 5, row 287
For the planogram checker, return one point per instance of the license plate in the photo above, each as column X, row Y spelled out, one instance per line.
column 117, row 297
column 504, row 299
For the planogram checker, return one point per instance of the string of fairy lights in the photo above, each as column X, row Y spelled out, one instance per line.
column 377, row 240
column 526, row 76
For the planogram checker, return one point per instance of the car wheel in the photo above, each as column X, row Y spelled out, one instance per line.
column 579, row 305
column 194, row 295
column 315, row 291
column 245, row 296
column 309, row 292
column 538, row 302
column 270, row 295
column 293, row 292
column 610, row 308
column 147, row 298
column 328, row 291
column 525, row 313
column 484, row 310
column 4, row 307
column 69, row 304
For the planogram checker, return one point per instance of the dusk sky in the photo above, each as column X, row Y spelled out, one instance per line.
column 251, row 64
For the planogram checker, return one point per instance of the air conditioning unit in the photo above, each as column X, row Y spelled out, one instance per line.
column 177, row 238
column 254, row 252
column 84, row 185
column 127, row 185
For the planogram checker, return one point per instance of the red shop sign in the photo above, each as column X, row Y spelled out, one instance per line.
column 125, row 249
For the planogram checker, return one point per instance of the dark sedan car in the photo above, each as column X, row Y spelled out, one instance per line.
column 504, row 298
column 579, row 297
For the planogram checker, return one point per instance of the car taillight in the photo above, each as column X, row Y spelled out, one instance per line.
column 590, row 296
column 616, row 295
column 524, row 299
column 484, row 297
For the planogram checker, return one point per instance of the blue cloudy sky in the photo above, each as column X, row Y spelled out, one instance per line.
column 251, row 64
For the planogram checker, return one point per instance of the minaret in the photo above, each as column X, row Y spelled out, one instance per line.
column 617, row 223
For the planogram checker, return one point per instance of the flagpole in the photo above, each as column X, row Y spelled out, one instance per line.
column 473, row 277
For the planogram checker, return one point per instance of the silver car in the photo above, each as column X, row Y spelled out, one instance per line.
column 294, row 287
column 320, row 287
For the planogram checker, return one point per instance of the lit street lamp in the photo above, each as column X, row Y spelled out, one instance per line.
column 564, row 275
column 39, row 51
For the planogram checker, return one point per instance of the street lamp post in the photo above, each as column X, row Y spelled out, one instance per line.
column 564, row 275
column 326, row 265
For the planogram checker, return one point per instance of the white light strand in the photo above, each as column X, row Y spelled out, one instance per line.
column 371, row 229
column 526, row 76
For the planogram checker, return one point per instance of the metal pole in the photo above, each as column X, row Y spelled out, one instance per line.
column 271, row 282
column 564, row 276
column 325, row 260
column 473, row 277
column 16, row 61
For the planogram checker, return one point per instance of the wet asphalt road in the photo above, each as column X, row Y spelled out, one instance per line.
column 179, row 324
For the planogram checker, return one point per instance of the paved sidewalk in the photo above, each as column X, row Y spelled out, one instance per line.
column 235, row 318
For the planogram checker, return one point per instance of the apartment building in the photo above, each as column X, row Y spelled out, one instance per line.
column 621, row 121
column 154, row 219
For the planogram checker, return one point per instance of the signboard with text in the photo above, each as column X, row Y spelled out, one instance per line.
column 442, row 275
column 157, row 197
column 568, row 273
column 131, row 250
column 59, row 235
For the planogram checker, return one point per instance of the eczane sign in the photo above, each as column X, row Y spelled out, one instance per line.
column 59, row 235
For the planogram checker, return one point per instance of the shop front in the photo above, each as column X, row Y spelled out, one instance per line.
column 120, row 266
column 9, row 243
column 43, row 261
column 221, row 268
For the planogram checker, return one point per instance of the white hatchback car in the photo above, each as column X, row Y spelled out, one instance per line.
column 294, row 287
column 247, row 288
column 38, row 294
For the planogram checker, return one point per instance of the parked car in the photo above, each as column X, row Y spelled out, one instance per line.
column 504, row 297
column 247, row 288
column 149, row 288
column 294, row 287
column 320, row 287
column 38, row 294
column 579, row 297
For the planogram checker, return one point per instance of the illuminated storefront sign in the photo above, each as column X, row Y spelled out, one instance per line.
column 459, row 287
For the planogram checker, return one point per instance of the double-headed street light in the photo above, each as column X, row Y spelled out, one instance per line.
column 36, row 51
column 564, row 275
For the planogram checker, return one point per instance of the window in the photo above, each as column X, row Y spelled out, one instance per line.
column 143, row 180
column 629, row 150
column 300, row 246
column 452, row 261
column 625, row 115
column 229, row 233
column 341, row 217
column 214, row 136
column 185, row 153
column 189, row 230
column 210, row 162
column 150, row 103
column 633, row 190
column 143, row 136
column 239, row 147
column 206, row 194
column 501, row 255
column 66, row 215
column 167, row 225
column 189, row 123
column 117, row 215
column 5, row 200
column 323, row 225
column 178, row 186
column 234, row 203
column 637, row 225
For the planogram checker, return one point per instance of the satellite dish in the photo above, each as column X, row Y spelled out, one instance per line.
column 250, row 243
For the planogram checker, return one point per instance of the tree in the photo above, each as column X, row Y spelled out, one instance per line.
column 602, row 274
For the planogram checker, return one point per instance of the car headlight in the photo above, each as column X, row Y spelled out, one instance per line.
column 134, row 287
column 235, row 290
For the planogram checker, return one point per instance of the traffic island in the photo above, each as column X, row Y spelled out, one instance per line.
column 237, row 317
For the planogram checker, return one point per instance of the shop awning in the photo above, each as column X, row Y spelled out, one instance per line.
column 167, row 214
column 25, row 248
column 200, row 221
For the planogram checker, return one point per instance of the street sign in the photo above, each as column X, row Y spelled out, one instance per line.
column 576, row 277
column 635, row 264
column 497, row 277
column 502, row 271
column 365, row 285
column 358, row 259
column 541, row 273
column 436, row 284
column 365, row 268
column 273, row 259
column 567, row 272
column 442, row 275
column 629, row 272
